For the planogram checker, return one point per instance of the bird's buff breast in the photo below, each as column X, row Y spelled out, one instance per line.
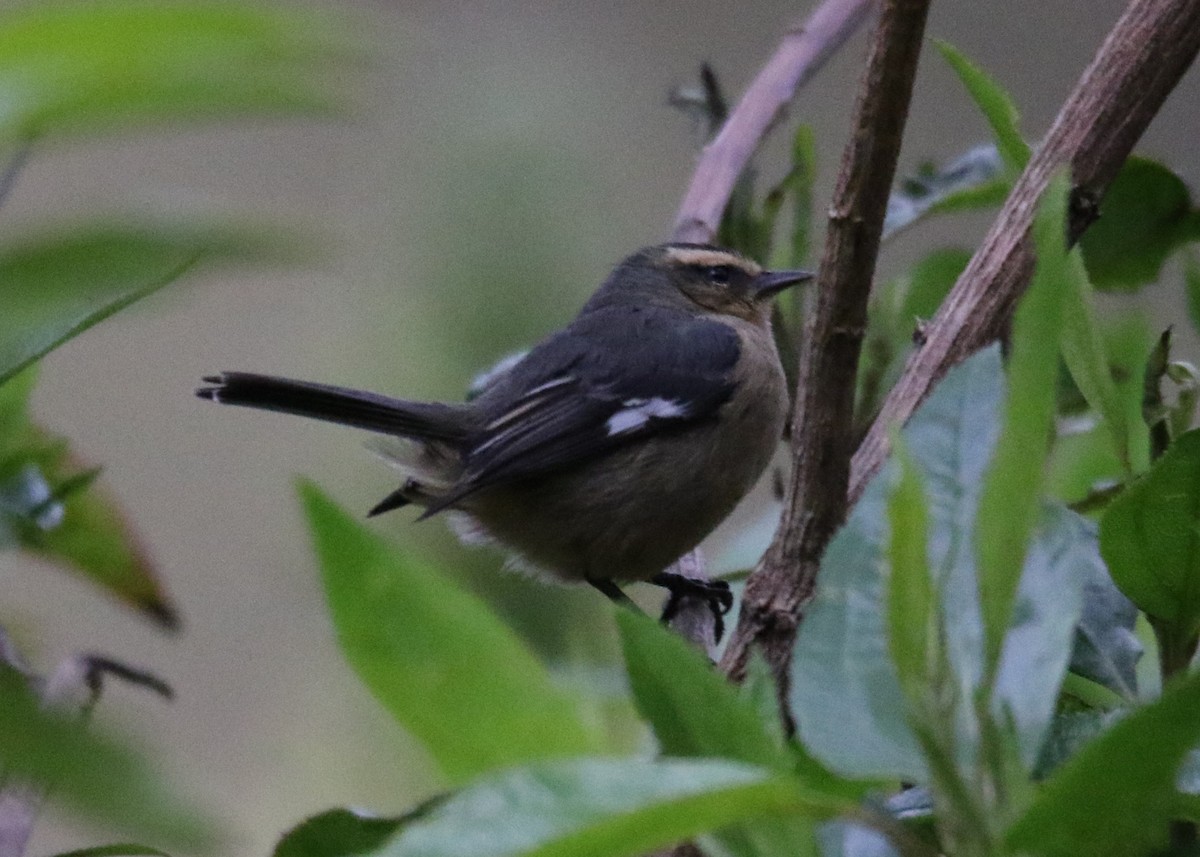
column 689, row 480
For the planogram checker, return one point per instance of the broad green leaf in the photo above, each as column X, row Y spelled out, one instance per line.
column 973, row 180
column 1042, row 632
column 92, row 775
column 845, row 694
column 1107, row 648
column 692, row 708
column 1010, row 503
column 68, row 68
column 54, row 288
column 1083, row 352
column 914, row 625
column 994, row 102
column 435, row 656
column 849, row 709
column 1150, row 538
column 1116, row 796
column 1145, row 216
column 340, row 833
column 600, row 808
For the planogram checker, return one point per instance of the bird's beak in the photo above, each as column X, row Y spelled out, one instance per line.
column 770, row 283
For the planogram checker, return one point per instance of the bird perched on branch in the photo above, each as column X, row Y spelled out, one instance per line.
column 615, row 445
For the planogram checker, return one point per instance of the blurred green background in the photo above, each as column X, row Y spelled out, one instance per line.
column 500, row 157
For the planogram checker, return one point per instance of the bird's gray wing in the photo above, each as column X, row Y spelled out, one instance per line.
column 610, row 378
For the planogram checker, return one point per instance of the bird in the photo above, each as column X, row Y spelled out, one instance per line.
column 610, row 449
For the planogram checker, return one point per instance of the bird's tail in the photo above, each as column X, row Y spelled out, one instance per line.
column 425, row 421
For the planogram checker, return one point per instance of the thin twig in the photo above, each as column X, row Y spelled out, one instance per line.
column 1141, row 61
column 822, row 438
column 800, row 55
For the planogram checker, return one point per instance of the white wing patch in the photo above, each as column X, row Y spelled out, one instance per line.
column 635, row 413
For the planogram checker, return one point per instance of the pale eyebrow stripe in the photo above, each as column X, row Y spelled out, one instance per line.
column 707, row 258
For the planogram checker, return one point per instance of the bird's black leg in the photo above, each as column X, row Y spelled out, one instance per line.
column 611, row 591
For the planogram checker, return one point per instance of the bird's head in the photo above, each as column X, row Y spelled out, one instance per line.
column 699, row 278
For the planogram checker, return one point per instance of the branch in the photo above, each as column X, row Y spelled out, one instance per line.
column 822, row 440
column 1140, row 62
column 800, row 55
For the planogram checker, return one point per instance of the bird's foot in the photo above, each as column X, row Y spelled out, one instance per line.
column 715, row 593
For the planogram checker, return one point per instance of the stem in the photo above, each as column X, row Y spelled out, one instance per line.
column 1141, row 61
column 803, row 51
column 822, row 438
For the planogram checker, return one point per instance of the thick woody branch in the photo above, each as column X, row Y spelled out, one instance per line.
column 800, row 55
column 822, row 440
column 1140, row 62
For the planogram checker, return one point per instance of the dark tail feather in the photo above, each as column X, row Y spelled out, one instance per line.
column 420, row 420
column 396, row 500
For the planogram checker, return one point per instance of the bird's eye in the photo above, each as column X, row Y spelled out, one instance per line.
column 718, row 274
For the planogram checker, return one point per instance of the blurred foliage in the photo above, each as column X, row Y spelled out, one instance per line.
column 967, row 636
column 69, row 70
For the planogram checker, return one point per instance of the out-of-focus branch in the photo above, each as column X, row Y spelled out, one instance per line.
column 822, row 437
column 800, row 55
column 1141, row 61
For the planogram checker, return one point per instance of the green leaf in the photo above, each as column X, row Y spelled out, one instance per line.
column 994, row 102
column 116, row 850
column 971, row 181
column 54, row 288
column 93, row 775
column 1009, row 505
column 844, row 693
column 1107, row 649
column 50, row 507
column 1191, row 282
column 1083, row 352
column 599, row 808
column 1145, row 216
column 435, row 656
column 914, row 626
column 1150, row 538
column 340, row 833
column 87, row 532
column 692, row 708
column 84, row 67
column 1116, row 796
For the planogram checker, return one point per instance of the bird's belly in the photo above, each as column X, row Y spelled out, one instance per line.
column 687, row 482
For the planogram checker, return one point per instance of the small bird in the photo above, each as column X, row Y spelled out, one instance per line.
column 615, row 445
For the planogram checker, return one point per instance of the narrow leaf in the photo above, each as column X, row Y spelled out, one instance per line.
column 1117, row 795
column 973, row 180
column 1010, row 502
column 435, row 656
column 56, row 287
column 994, row 102
column 68, row 68
column 912, row 604
column 599, row 808
column 692, row 708
column 1083, row 352
column 115, row 850
column 340, row 833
